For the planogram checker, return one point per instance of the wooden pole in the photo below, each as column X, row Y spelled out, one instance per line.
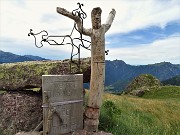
column 97, row 34
column 97, row 68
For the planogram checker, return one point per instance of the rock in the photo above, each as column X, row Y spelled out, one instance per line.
column 91, row 124
column 29, row 133
column 138, row 93
column 92, row 113
column 79, row 132
column 20, row 111
column 21, row 75
column 84, row 132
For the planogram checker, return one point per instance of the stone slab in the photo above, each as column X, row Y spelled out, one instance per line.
column 64, row 94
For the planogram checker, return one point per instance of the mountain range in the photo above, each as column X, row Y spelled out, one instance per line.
column 7, row 57
column 118, row 73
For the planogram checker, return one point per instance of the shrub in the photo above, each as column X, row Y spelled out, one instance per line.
column 109, row 115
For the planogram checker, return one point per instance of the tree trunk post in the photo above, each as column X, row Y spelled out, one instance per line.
column 97, row 34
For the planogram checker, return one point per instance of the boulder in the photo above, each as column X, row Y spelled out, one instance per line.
column 138, row 93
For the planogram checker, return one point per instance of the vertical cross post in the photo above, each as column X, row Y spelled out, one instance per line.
column 97, row 34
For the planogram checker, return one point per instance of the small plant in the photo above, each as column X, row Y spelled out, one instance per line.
column 109, row 115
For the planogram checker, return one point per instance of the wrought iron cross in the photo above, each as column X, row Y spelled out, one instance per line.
column 49, row 38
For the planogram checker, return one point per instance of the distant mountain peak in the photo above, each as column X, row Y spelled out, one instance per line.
column 119, row 61
column 161, row 63
column 35, row 57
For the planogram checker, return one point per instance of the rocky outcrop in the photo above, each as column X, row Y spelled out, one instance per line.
column 22, row 75
column 20, row 111
column 141, row 84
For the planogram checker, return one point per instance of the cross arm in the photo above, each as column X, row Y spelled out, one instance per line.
column 110, row 19
column 76, row 18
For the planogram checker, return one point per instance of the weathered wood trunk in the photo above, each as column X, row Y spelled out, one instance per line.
column 97, row 34
column 97, row 68
column 97, row 79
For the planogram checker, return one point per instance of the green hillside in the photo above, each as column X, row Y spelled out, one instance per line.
column 172, row 81
column 164, row 92
column 156, row 113
column 17, row 76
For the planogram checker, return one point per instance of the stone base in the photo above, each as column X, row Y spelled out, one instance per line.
column 79, row 132
column 91, row 125
column 84, row 132
column 30, row 133
column 92, row 113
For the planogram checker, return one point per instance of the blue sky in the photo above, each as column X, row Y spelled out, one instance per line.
column 143, row 31
column 144, row 36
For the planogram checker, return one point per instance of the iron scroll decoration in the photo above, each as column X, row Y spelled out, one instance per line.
column 49, row 39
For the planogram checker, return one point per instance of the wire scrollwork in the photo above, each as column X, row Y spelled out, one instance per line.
column 51, row 39
column 79, row 12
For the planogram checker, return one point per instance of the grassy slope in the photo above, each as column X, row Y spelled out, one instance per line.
column 157, row 113
column 29, row 74
column 164, row 92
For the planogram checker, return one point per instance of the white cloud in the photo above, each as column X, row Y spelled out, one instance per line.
column 17, row 17
column 133, row 15
column 158, row 51
column 39, row 15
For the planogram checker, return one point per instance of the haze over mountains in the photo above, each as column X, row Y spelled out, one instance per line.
column 118, row 73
